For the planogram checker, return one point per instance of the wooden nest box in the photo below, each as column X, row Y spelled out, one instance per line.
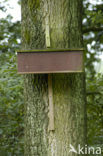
column 50, row 61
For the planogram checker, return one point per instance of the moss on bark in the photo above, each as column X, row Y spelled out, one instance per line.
column 68, row 89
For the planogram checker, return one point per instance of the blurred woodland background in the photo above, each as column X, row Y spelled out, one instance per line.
column 11, row 84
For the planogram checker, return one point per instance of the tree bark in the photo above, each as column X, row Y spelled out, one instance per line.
column 65, row 20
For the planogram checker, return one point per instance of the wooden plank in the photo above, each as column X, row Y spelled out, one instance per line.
column 51, row 106
column 50, row 62
column 47, row 34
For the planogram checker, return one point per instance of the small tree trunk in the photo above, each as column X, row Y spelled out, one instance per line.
column 64, row 18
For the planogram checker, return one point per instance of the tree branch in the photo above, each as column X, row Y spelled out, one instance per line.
column 92, row 93
column 92, row 29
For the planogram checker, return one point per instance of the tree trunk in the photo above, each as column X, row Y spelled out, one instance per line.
column 64, row 17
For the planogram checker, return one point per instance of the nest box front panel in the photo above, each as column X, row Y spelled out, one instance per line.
column 50, row 61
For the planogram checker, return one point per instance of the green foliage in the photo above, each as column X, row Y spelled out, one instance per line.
column 93, row 34
column 93, row 40
column 95, row 110
column 9, row 35
column 11, row 90
column 11, row 107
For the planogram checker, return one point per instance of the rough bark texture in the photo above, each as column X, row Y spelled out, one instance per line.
column 68, row 89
